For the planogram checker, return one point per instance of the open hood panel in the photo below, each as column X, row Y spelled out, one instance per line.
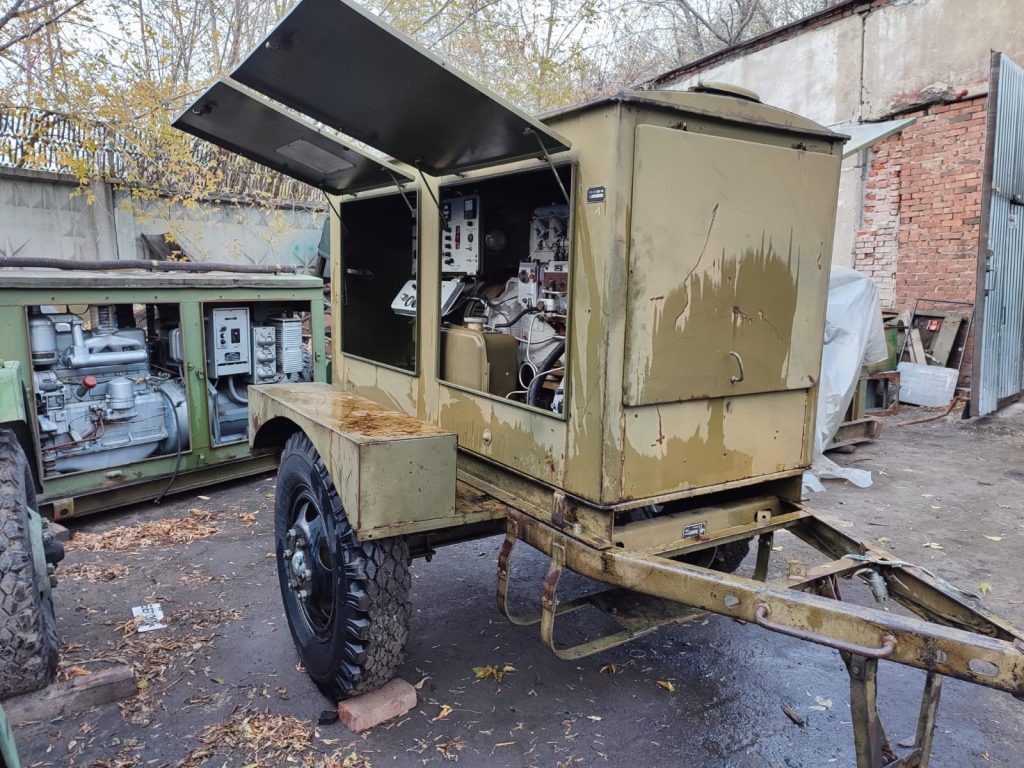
column 342, row 66
column 251, row 126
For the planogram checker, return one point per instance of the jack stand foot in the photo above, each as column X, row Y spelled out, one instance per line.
column 873, row 747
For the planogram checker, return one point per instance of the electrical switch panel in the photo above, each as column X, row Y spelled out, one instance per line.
column 554, row 294
column 460, row 239
column 529, row 283
column 228, row 342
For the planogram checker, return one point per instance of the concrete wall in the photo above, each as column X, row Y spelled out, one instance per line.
column 917, row 49
column 47, row 215
column 874, row 60
column 869, row 62
column 814, row 74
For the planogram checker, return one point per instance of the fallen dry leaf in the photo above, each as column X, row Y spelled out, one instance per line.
column 445, row 711
column 167, row 532
column 422, row 682
column 609, row 669
column 984, row 587
column 667, row 685
column 93, row 572
column 450, row 748
column 257, row 738
column 793, row 715
column 993, row 538
column 932, row 545
column 820, row 704
column 491, row 672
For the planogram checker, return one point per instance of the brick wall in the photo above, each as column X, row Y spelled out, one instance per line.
column 922, row 209
column 876, row 247
column 922, row 206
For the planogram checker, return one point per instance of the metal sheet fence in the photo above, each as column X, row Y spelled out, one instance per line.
column 41, row 140
column 1001, row 363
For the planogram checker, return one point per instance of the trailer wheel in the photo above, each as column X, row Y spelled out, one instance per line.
column 347, row 602
column 725, row 557
column 729, row 556
column 29, row 648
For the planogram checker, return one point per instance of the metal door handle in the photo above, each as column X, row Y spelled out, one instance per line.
column 888, row 641
column 739, row 362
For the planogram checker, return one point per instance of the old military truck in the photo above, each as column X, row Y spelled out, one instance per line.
column 599, row 333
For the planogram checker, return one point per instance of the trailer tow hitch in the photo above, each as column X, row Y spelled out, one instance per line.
column 951, row 634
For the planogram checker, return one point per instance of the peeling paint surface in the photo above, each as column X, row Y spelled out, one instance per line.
column 727, row 272
column 680, row 446
column 360, row 419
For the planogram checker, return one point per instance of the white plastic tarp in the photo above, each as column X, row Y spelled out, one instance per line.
column 854, row 337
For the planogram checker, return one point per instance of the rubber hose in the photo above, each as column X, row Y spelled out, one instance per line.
column 538, row 381
column 28, row 262
column 516, row 319
column 233, row 393
column 177, row 455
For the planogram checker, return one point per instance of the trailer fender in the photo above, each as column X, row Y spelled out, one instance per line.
column 395, row 474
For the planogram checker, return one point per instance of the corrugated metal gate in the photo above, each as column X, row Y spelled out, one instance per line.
column 999, row 355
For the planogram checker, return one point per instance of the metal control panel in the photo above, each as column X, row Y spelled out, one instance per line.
column 460, row 241
column 227, row 342
column 554, row 294
column 529, row 283
column 549, row 233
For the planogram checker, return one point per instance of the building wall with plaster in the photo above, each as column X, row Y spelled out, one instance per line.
column 909, row 206
column 50, row 215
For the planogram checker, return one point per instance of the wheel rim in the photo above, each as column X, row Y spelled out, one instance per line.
column 309, row 564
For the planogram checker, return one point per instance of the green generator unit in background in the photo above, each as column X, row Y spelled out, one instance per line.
column 124, row 385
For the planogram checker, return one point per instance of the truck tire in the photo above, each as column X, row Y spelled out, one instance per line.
column 729, row 556
column 347, row 602
column 725, row 557
column 29, row 649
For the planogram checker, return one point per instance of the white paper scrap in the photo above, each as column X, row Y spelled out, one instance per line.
column 152, row 617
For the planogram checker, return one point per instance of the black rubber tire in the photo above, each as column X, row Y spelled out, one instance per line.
column 729, row 556
column 364, row 639
column 29, row 648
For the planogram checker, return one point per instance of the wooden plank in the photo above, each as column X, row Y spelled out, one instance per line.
column 917, row 354
column 72, row 696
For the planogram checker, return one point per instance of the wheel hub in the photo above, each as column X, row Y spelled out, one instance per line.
column 299, row 572
column 308, row 563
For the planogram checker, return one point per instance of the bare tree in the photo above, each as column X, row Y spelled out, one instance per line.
column 22, row 20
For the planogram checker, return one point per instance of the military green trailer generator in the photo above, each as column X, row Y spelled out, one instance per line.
column 598, row 333
column 123, row 381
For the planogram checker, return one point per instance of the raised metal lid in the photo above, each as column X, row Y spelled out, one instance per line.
column 341, row 65
column 249, row 125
